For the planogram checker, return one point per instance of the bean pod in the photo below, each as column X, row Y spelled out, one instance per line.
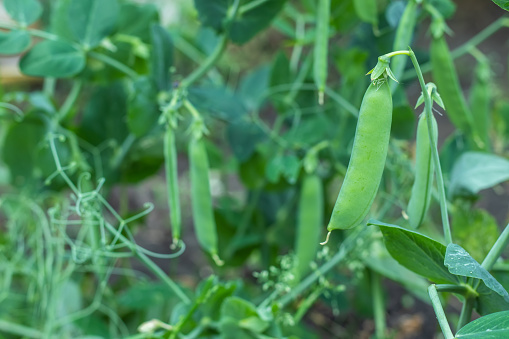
column 423, row 182
column 201, row 200
column 170, row 167
column 309, row 223
column 321, row 47
column 367, row 162
column 480, row 103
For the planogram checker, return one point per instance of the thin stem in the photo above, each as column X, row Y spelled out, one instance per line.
column 439, row 311
column 496, row 250
column 114, row 63
column 342, row 102
column 436, row 159
column 49, row 87
column 12, row 328
column 391, row 54
column 458, row 289
column 466, row 312
column 251, row 5
column 70, row 100
column 378, row 305
column 33, row 32
column 126, row 146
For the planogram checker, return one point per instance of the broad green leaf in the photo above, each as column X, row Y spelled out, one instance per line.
column 366, row 10
column 162, row 57
column 469, row 225
column 489, row 301
column 142, row 111
column 220, row 102
column 286, row 165
column 253, row 88
column 492, row 326
column 136, row 20
column 230, row 329
column 92, row 20
column 416, row 252
column 26, row 12
column 143, row 296
column 212, row 13
column 504, row 4
column 14, row 42
column 243, row 136
column 461, row 263
column 475, row 171
column 52, row 59
column 252, row 20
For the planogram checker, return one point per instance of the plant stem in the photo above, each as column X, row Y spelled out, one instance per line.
column 439, row 311
column 458, row 289
column 251, row 5
column 70, row 100
column 436, row 159
column 33, row 32
column 114, row 63
column 23, row 331
column 496, row 250
column 49, row 87
column 466, row 312
column 378, row 305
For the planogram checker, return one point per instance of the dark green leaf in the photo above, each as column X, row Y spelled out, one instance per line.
column 136, row 20
column 445, row 7
column 492, row 326
column 416, row 252
column 253, row 88
column 243, row 136
column 26, row 12
column 220, row 102
column 212, row 12
column 52, row 59
column 230, row 330
column 162, row 57
column 475, row 171
column 143, row 296
column 143, row 111
column 238, row 309
column 14, row 42
column 489, row 301
column 248, row 23
column 92, row 20
column 461, row 263
column 504, row 4
column 286, row 165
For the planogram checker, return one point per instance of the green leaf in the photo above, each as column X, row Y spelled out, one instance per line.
column 231, row 330
column 253, row 88
column 243, row 136
column 416, row 252
column 143, row 111
column 26, row 12
column 237, row 308
column 254, row 324
column 492, row 326
column 366, row 10
column 220, row 102
column 52, row 59
column 251, row 21
column 90, row 21
column 286, row 165
column 461, row 263
column 489, row 301
column 137, row 20
column 504, row 4
column 14, row 42
column 212, row 13
column 162, row 57
column 143, row 296
column 475, row 171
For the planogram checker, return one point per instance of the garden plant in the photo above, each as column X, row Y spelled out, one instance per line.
column 253, row 169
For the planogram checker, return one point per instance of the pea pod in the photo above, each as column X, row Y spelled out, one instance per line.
column 367, row 162
column 309, row 223
column 171, row 171
column 321, row 47
column 446, row 79
column 423, row 182
column 480, row 102
column 201, row 200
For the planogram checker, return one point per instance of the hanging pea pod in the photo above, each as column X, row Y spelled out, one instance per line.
column 480, row 102
column 321, row 47
column 201, row 200
column 423, row 183
column 171, row 171
column 309, row 223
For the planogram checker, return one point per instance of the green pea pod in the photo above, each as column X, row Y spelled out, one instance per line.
column 170, row 167
column 480, row 102
column 367, row 162
column 446, row 79
column 321, row 47
column 403, row 39
column 201, row 200
column 309, row 223
column 423, row 182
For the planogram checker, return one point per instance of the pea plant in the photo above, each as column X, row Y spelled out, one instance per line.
column 252, row 169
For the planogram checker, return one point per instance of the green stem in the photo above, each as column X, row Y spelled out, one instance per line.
column 436, row 159
column 23, row 331
column 70, row 100
column 439, row 311
column 33, row 32
column 251, row 5
column 342, row 102
column 466, row 312
column 114, row 63
column 207, row 64
column 496, row 250
column 458, row 289
column 49, row 87
column 378, row 305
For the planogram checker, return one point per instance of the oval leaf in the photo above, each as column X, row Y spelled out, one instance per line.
column 492, row 326
column 91, row 21
column 14, row 42
column 504, row 4
column 475, row 171
column 52, row 59
column 25, row 12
